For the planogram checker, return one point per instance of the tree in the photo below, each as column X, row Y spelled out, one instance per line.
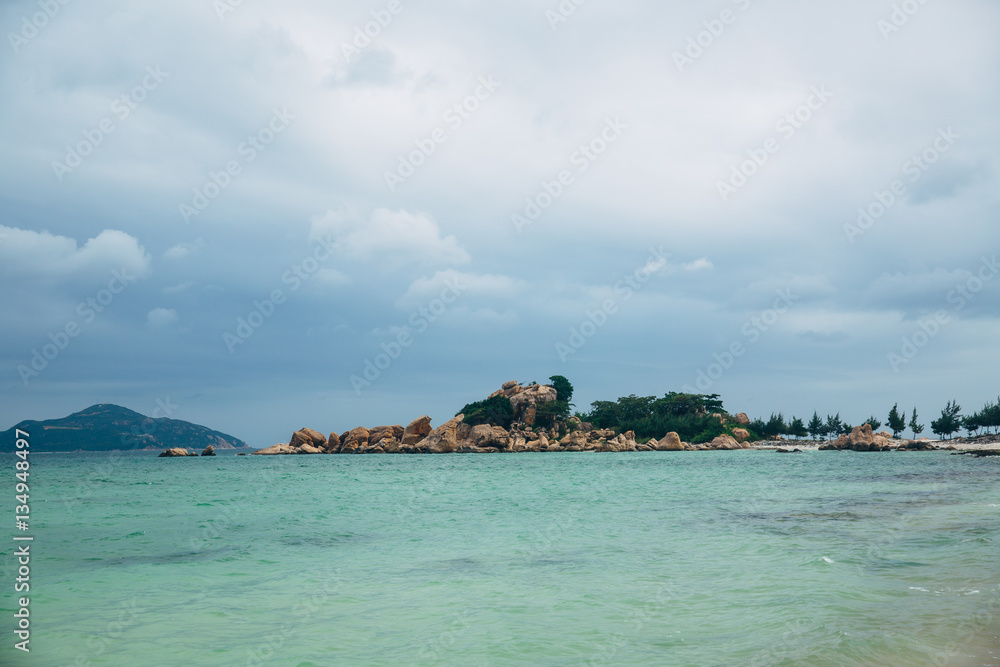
column 496, row 411
column 564, row 389
column 950, row 420
column 874, row 422
column 775, row 425
column 833, row 425
column 797, row 428
column 972, row 423
column 897, row 422
column 816, row 428
column 914, row 426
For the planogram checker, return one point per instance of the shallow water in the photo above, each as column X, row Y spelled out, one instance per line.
column 661, row 558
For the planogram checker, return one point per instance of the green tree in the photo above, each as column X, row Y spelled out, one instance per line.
column 564, row 389
column 833, row 425
column 874, row 422
column 797, row 428
column 816, row 428
column 496, row 411
column 897, row 422
column 914, row 426
column 973, row 423
column 950, row 420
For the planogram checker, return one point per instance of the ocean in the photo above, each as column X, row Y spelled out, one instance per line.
column 726, row 558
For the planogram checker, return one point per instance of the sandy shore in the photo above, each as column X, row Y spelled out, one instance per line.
column 959, row 444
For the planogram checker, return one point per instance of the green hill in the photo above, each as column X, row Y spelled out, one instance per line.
column 105, row 427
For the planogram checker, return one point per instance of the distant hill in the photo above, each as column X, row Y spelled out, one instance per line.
column 105, row 427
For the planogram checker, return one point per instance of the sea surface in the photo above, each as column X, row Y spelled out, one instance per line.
column 742, row 558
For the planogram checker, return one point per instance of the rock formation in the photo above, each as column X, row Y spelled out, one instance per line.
column 209, row 451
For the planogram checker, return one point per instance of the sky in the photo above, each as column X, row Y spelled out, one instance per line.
column 264, row 216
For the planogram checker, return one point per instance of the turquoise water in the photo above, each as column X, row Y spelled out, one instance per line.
column 661, row 558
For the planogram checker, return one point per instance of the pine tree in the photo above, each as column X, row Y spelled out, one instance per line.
column 816, row 428
column 874, row 422
column 950, row 420
column 914, row 426
column 897, row 422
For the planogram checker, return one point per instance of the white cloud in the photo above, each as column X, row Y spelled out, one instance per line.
column 702, row 264
column 182, row 250
column 41, row 254
column 161, row 318
column 393, row 237
column 468, row 286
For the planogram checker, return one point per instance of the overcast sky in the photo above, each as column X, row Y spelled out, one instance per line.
column 624, row 193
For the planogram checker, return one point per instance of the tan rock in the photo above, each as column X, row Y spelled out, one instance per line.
column 862, row 435
column 671, row 442
column 176, row 451
column 485, row 436
column 418, row 429
column 309, row 449
column 574, row 439
column 280, row 448
column 725, row 441
column 332, row 444
column 209, row 451
column 444, row 438
column 742, row 419
column 741, row 434
column 307, row 436
column 390, row 445
column 354, row 440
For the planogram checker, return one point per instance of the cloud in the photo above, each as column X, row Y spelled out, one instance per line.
column 161, row 318
column 394, row 238
column 490, row 288
column 182, row 250
column 41, row 254
column 702, row 264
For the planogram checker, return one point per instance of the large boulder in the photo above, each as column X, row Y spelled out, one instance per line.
column 524, row 400
column 309, row 449
column 574, row 439
column 375, row 435
column 418, row 429
column 861, row 435
column 209, row 451
column 485, row 436
column 274, row 450
column 332, row 444
column 444, row 438
column 177, row 451
column 671, row 442
column 354, row 440
column 307, row 436
column 742, row 419
column 741, row 434
column 725, row 442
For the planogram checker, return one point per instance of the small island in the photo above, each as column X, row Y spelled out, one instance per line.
column 536, row 418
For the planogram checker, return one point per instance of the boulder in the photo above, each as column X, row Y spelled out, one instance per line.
column 725, row 442
column 354, row 440
column 529, row 397
column 574, row 439
column 671, row 442
column 332, row 444
column 376, row 434
column 418, row 429
column 742, row 419
column 741, row 434
column 209, row 451
column 280, row 448
column 485, row 436
column 861, row 435
column 177, row 451
column 307, row 436
column 309, row 449
column 390, row 445
column 444, row 438
column 508, row 386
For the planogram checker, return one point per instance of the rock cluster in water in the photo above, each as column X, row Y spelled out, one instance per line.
column 457, row 436
column 862, row 439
